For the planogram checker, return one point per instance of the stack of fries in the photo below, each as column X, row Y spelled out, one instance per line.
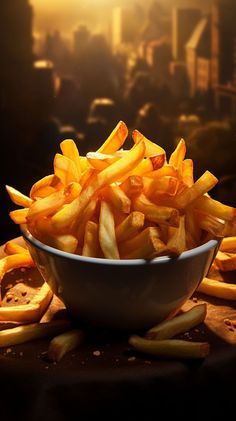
column 123, row 204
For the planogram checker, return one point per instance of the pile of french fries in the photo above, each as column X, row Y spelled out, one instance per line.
column 123, row 204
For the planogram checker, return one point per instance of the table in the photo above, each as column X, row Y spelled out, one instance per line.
column 106, row 377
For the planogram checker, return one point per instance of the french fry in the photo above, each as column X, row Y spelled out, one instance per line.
column 218, row 289
column 166, row 170
column 72, row 191
column 228, row 244
column 45, row 186
column 211, row 224
column 19, row 216
column 18, row 198
column 65, row 169
column 70, row 212
column 100, row 161
column 87, row 176
column 64, row 343
column 225, row 261
column 152, row 148
column 187, row 172
column 179, row 324
column 70, row 150
column 115, row 140
column 145, row 244
column 91, row 247
column 213, row 207
column 129, row 226
column 85, row 217
column 177, row 238
column 116, row 196
column 205, row 183
column 66, row 242
column 21, row 334
column 107, row 237
column 163, row 185
column 13, row 248
column 154, row 213
column 170, row 347
column 132, row 186
column 46, row 206
column 177, row 157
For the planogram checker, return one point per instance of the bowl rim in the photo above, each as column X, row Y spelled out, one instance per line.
column 211, row 244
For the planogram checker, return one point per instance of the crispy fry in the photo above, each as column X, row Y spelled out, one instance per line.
column 218, row 289
column 179, row 324
column 132, row 186
column 163, row 185
column 18, row 198
column 45, row 186
column 91, row 247
column 115, row 171
column 225, row 261
column 100, row 161
column 228, row 244
column 170, row 347
column 65, row 169
column 64, row 343
column 145, row 244
column 187, row 172
column 107, row 237
column 13, row 248
column 70, row 150
column 19, row 216
column 211, row 224
column 46, row 206
column 22, row 334
column 66, row 242
column 213, row 207
column 177, row 157
column 116, row 196
column 205, row 183
column 85, row 217
column 115, row 140
column 154, row 213
column 166, row 170
column 152, row 148
column 177, row 238
column 129, row 226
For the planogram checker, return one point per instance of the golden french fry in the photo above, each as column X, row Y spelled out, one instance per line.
column 163, row 185
column 187, row 172
column 179, row 324
column 151, row 147
column 228, row 244
column 166, row 170
column 70, row 212
column 132, row 186
column 46, row 206
column 213, row 207
column 170, row 347
column 225, row 261
column 70, row 150
column 100, row 161
column 87, row 176
column 177, row 157
column 154, row 213
column 205, row 183
column 66, row 242
column 13, row 248
column 19, row 216
column 72, row 191
column 218, row 289
column 22, row 334
column 91, row 245
column 18, row 198
column 177, row 238
column 64, row 343
column 65, row 169
column 85, row 217
column 116, row 196
column 107, row 236
column 115, row 140
column 45, row 186
column 211, row 224
column 129, row 226
column 147, row 243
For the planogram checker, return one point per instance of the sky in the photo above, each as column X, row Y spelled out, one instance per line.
column 65, row 15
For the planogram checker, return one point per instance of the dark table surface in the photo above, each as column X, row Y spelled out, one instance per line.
column 105, row 377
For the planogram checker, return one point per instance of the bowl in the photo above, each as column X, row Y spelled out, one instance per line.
column 121, row 294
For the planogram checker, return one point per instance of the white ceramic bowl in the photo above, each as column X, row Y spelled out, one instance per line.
column 122, row 294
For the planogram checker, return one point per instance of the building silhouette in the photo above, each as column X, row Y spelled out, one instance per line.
column 183, row 22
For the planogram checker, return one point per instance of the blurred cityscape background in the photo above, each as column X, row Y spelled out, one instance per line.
column 73, row 69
